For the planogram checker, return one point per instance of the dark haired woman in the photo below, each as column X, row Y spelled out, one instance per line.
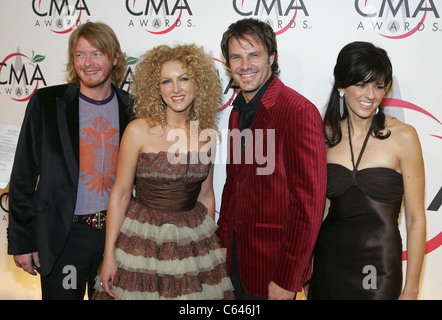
column 374, row 161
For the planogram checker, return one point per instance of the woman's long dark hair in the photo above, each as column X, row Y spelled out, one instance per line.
column 357, row 62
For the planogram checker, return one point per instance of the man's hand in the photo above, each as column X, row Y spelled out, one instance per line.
column 278, row 293
column 28, row 262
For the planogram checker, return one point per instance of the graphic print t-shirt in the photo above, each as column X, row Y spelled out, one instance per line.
column 99, row 140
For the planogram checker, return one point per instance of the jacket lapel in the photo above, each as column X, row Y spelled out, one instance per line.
column 260, row 125
column 124, row 104
column 255, row 138
column 68, row 125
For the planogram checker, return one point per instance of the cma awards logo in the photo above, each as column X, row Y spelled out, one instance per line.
column 398, row 19
column 21, row 75
column 281, row 15
column 128, row 78
column 395, row 107
column 159, row 17
column 59, row 16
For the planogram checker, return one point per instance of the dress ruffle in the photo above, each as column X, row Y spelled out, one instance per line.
column 163, row 254
column 169, row 255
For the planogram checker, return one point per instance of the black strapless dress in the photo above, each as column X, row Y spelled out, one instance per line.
column 358, row 254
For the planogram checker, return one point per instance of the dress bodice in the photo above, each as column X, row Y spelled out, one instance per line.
column 171, row 182
column 381, row 184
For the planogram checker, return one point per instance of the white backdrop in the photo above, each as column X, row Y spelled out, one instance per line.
column 33, row 54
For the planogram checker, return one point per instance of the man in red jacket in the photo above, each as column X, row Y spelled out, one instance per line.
column 271, row 206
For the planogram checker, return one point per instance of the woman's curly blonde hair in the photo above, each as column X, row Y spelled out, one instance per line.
column 200, row 69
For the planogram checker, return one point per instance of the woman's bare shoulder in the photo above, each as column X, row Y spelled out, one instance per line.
column 400, row 131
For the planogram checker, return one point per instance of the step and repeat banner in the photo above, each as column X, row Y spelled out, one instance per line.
column 33, row 54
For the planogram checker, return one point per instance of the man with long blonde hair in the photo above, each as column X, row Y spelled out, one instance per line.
column 65, row 165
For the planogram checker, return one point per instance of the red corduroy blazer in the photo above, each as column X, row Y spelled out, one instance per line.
column 276, row 213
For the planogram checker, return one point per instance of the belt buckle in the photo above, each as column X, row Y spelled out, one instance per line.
column 97, row 220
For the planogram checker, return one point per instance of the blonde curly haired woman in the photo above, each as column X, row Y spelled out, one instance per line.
column 161, row 243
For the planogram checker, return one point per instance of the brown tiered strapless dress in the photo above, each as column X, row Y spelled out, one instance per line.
column 167, row 247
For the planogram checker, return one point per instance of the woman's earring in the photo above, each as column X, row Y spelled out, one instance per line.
column 341, row 103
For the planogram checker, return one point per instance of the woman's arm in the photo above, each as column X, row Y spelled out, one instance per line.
column 413, row 172
column 207, row 196
column 120, row 197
